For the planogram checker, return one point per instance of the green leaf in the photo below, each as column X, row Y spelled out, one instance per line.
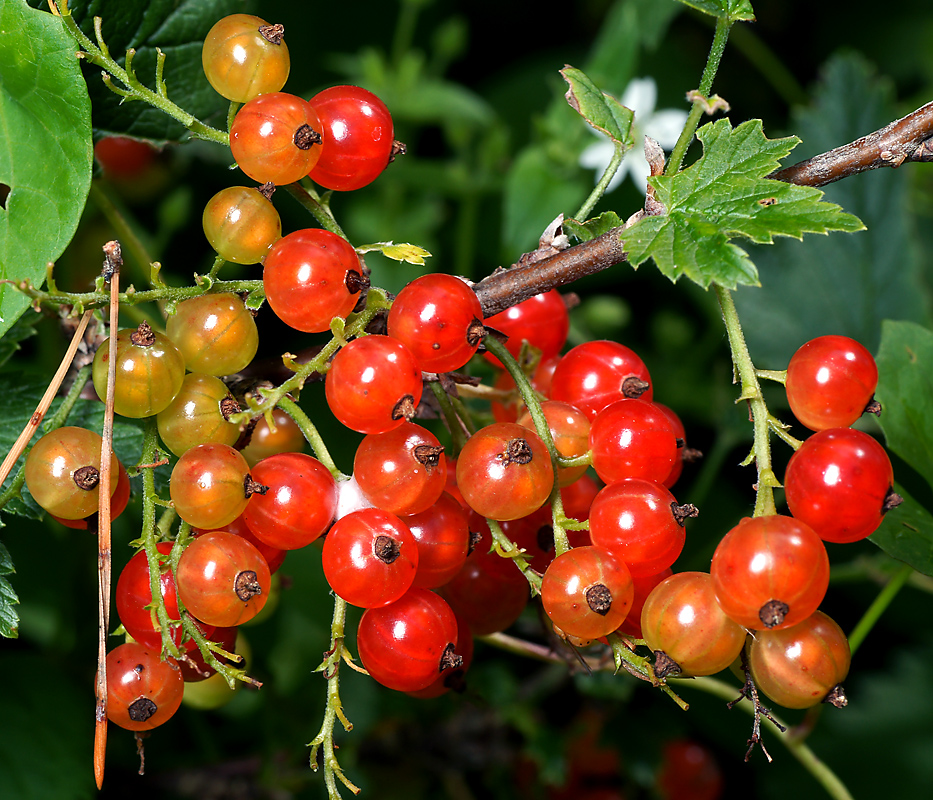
column 905, row 391
column 9, row 619
column 45, row 149
column 602, row 111
column 178, row 28
column 409, row 253
column 725, row 195
column 842, row 284
column 906, row 533
column 594, row 227
column 728, row 9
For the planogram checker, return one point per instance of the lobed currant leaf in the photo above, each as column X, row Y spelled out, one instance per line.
column 602, row 111
column 45, row 155
column 724, row 195
column 734, row 10
column 906, row 533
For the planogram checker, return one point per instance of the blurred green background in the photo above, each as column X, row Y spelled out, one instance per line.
column 493, row 157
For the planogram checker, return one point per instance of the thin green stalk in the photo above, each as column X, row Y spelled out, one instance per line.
column 330, row 667
column 600, row 189
column 720, row 37
column 828, row 779
column 878, row 607
column 312, row 435
column 455, row 425
column 310, row 200
column 751, row 392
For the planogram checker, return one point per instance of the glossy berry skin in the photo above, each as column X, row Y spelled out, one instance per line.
column 149, row 372
column 370, row 558
column 142, row 691
column 586, row 592
column 403, row 644
column 643, row 585
column 357, row 134
column 239, row 62
column 133, row 594
column 403, row 470
column 273, row 555
column 439, row 318
column 798, row 666
column 487, row 600
column 452, row 677
column 570, row 432
column 299, row 505
column 215, row 333
column 510, row 409
column 633, row 439
column 310, row 277
column 837, row 483
column 374, row 384
column 282, row 436
column 594, row 374
column 241, row 224
column 634, row 520
column 271, row 138
column 682, row 618
column 222, row 579
column 198, row 415
column 541, row 320
column 63, row 472
column 118, row 501
column 767, row 560
column 679, row 434
column 504, row 471
column 209, row 486
column 442, row 533
column 829, row 382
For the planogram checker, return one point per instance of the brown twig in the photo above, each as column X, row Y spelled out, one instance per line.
column 909, row 139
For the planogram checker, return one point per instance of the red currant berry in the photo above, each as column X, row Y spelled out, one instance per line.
column 640, row 523
column 142, row 691
column 770, row 572
column 633, row 439
column 149, row 372
column 442, row 533
column 839, row 482
column 244, row 56
column 407, row 644
column 687, row 630
column 511, row 408
column 356, row 138
column 300, row 502
column 504, row 471
column 241, row 224
column 830, row 381
column 643, row 584
column 275, row 138
column 374, row 384
column 121, row 496
column 488, row 601
column 282, row 436
column 311, row 277
column 195, row 669
column 216, row 333
column 222, row 579
column 63, row 472
column 542, row 321
column 452, row 677
column 594, row 374
column 199, row 414
column 122, row 157
column 370, row 558
column 586, row 592
column 210, row 486
column 689, row 772
column 403, row 470
column 273, row 555
column 439, row 318
column 803, row 665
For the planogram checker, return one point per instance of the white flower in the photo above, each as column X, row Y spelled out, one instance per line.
column 663, row 126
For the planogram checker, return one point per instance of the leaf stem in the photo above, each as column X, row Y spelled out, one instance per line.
column 878, row 607
column 618, row 152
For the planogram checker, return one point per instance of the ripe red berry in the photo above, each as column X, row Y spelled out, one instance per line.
column 275, row 138
column 570, row 432
column 374, row 384
column 541, row 320
column 770, row 572
column 439, row 318
column 357, row 137
column 142, row 691
column 504, row 471
column 830, row 381
column 210, row 486
column 442, row 533
column 407, row 644
column 633, row 439
column 311, row 277
column 839, row 482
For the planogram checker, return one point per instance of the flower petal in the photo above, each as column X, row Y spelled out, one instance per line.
column 665, row 126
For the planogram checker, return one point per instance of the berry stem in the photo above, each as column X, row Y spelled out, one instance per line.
column 99, row 55
column 751, row 392
column 506, row 548
column 618, row 151
column 311, row 201
column 460, row 429
column 330, row 667
column 312, row 436
column 878, row 607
